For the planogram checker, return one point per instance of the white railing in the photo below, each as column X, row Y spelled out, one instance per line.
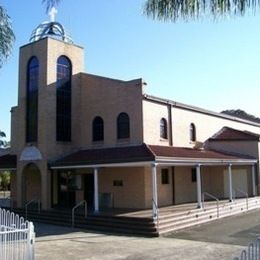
column 17, row 237
column 212, row 197
column 252, row 252
column 83, row 202
column 33, row 201
column 243, row 193
column 156, row 215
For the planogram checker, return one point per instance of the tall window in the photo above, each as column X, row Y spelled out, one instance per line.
column 123, row 126
column 163, row 128
column 98, row 129
column 32, row 100
column 192, row 132
column 63, row 96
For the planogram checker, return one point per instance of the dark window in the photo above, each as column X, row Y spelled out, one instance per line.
column 32, row 100
column 192, row 132
column 63, row 96
column 118, row 183
column 98, row 129
column 193, row 175
column 163, row 128
column 165, row 176
column 123, row 126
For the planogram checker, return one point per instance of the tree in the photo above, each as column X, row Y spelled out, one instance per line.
column 5, row 178
column 241, row 114
column 173, row 10
column 2, row 134
column 6, row 36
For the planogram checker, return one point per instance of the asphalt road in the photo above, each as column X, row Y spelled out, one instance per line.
column 221, row 239
column 236, row 230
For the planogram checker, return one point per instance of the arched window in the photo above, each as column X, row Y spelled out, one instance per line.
column 63, row 96
column 163, row 128
column 98, row 129
column 192, row 132
column 32, row 100
column 123, row 126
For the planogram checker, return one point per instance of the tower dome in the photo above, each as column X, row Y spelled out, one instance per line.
column 51, row 29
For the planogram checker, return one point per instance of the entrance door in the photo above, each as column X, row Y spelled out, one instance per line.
column 66, row 191
column 89, row 190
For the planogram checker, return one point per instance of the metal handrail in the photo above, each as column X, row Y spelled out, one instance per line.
column 157, row 213
column 213, row 197
column 11, row 202
column 75, row 207
column 38, row 201
column 244, row 193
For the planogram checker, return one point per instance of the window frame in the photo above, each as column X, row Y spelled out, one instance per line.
column 32, row 91
column 163, row 128
column 165, row 176
column 63, row 99
column 98, row 129
column 193, row 136
column 123, row 126
column 193, row 175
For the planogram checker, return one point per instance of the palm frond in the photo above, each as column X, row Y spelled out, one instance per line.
column 2, row 134
column 6, row 36
column 173, row 10
column 50, row 3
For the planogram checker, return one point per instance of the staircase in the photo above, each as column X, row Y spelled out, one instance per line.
column 171, row 219
column 181, row 219
column 103, row 223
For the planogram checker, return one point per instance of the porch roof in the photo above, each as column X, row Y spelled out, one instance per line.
column 146, row 154
column 8, row 162
column 191, row 156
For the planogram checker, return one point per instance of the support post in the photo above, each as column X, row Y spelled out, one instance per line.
column 155, row 192
column 230, row 182
column 253, row 181
column 96, row 198
column 198, row 186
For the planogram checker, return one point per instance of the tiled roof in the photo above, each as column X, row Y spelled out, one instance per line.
column 107, row 155
column 8, row 161
column 228, row 134
column 184, row 152
column 141, row 153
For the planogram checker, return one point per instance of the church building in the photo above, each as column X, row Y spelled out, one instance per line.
column 76, row 136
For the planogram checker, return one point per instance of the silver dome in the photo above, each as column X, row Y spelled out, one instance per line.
column 50, row 29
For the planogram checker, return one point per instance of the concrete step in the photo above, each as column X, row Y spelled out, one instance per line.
column 125, row 225
column 167, row 226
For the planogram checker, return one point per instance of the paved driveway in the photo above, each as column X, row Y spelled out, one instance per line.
column 219, row 240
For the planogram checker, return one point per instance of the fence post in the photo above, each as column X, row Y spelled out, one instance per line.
column 31, row 241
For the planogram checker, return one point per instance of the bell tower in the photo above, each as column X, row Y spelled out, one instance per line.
column 48, row 101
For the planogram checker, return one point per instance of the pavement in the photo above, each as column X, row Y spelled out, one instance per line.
column 222, row 239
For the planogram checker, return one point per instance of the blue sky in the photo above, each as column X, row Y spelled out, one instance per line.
column 213, row 65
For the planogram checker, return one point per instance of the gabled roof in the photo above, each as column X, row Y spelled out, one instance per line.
column 143, row 154
column 230, row 134
column 7, row 161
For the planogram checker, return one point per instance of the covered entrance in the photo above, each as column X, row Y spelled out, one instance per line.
column 70, row 187
column 31, row 179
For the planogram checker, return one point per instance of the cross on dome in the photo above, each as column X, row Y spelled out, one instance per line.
column 52, row 14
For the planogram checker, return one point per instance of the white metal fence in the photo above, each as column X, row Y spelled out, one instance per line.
column 252, row 252
column 17, row 237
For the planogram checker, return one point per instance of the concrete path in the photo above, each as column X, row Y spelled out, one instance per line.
column 222, row 239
